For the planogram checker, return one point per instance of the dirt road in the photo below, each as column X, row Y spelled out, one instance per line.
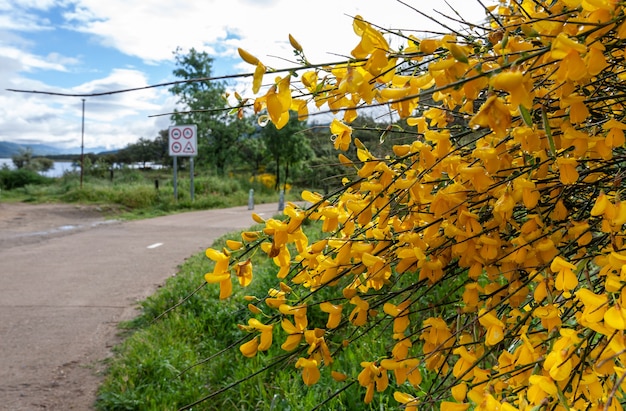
column 68, row 277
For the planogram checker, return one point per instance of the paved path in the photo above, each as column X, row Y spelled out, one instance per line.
column 62, row 296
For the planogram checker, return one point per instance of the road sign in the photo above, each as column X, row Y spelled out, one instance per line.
column 183, row 141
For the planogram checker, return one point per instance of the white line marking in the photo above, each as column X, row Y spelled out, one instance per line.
column 155, row 245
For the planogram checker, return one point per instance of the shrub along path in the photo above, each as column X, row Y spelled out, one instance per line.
column 67, row 278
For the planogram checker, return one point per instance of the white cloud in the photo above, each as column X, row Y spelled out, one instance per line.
column 110, row 121
column 29, row 61
column 151, row 30
column 20, row 15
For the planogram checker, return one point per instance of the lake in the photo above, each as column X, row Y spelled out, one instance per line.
column 57, row 170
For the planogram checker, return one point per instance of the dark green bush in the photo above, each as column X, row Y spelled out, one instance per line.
column 12, row 179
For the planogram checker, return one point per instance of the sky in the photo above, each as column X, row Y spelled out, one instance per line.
column 91, row 46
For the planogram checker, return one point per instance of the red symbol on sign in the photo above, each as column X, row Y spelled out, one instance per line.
column 176, row 133
column 188, row 148
column 188, row 133
column 177, row 147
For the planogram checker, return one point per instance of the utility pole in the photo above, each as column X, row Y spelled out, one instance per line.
column 82, row 148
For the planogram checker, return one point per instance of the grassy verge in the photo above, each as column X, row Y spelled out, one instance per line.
column 140, row 194
column 145, row 373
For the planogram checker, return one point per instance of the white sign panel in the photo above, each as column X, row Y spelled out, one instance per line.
column 183, row 141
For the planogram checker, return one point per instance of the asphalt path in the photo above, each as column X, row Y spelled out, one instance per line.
column 63, row 292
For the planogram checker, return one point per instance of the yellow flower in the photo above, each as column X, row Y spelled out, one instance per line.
column 295, row 334
column 342, row 134
column 478, row 176
column 247, row 57
column 234, row 245
column 435, row 334
column 309, row 79
column 403, row 370
column 334, row 314
column 525, row 191
column 562, row 45
column 513, row 82
column 294, row 43
column 615, row 135
column 250, row 348
column 459, row 392
column 249, row 236
column 453, row 406
column 372, row 376
column 595, row 305
column 464, row 366
column 566, row 280
column 310, row 372
column 601, row 205
column 257, row 79
column 558, row 365
column 541, row 387
column 615, row 317
column 578, row 111
column 371, row 39
column 266, row 333
column 493, row 114
column 358, row 316
column 504, row 206
column 220, row 272
column 243, row 271
column 567, row 170
column 410, row 402
column 495, row 327
column 471, row 295
column 595, row 60
column 400, row 314
column 338, row 376
column 549, row 315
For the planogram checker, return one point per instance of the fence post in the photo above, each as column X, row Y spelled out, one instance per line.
column 281, row 200
column 251, row 199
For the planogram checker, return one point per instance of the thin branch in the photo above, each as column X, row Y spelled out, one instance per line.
column 172, row 83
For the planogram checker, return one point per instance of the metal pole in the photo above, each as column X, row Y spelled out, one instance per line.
column 82, row 148
column 191, row 177
column 175, row 178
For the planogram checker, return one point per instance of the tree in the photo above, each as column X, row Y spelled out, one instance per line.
column 224, row 138
column 161, row 147
column 143, row 151
column 489, row 250
column 287, row 146
column 252, row 150
column 207, row 106
column 25, row 160
column 42, row 164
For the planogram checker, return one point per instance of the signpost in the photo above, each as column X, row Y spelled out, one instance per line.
column 183, row 142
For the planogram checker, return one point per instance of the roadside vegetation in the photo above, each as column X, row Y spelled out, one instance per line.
column 135, row 193
column 172, row 361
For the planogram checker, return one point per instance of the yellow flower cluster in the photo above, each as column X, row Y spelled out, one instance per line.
column 267, row 179
column 492, row 242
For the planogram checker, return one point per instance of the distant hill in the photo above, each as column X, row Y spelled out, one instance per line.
column 8, row 149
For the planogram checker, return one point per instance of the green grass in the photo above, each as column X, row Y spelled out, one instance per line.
column 133, row 194
column 145, row 373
